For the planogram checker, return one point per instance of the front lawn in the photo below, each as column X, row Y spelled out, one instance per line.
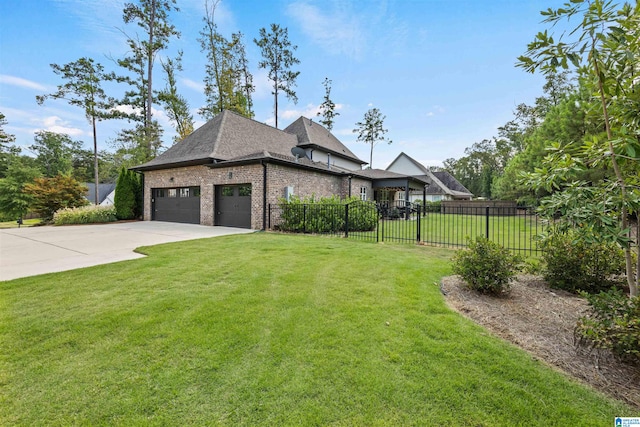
column 268, row 329
column 26, row 223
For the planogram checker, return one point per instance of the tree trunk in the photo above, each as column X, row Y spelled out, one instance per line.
column 95, row 160
column 152, row 19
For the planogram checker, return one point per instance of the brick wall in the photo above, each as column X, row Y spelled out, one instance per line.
column 304, row 182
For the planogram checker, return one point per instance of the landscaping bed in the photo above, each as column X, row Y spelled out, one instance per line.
column 541, row 321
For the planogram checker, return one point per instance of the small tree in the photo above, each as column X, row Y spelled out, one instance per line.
column 52, row 194
column 371, row 130
column 277, row 54
column 14, row 201
column 126, row 199
column 327, row 108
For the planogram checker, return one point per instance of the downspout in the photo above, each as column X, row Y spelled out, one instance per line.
column 424, row 200
column 406, row 200
column 264, row 195
column 350, row 185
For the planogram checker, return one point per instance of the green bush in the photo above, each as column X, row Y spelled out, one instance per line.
column 126, row 199
column 574, row 265
column 326, row 215
column 435, row 207
column 486, row 266
column 91, row 214
column 613, row 324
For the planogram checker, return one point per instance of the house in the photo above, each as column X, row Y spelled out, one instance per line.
column 106, row 193
column 228, row 171
column 442, row 185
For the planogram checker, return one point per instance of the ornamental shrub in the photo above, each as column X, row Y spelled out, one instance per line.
column 52, row 194
column 574, row 265
column 326, row 214
column 91, row 214
column 486, row 266
column 613, row 324
column 126, row 198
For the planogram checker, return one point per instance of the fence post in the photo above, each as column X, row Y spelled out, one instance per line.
column 418, row 225
column 346, row 220
column 304, row 218
column 486, row 216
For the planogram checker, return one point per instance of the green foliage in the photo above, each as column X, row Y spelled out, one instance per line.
column 277, row 58
column 126, row 199
column 573, row 264
column 52, row 194
column 433, row 206
column 91, row 214
column 14, row 201
column 327, row 214
column 613, row 324
column 175, row 105
column 328, row 108
column 371, row 131
column 54, row 152
column 486, row 266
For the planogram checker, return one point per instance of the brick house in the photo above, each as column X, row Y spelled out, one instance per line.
column 229, row 170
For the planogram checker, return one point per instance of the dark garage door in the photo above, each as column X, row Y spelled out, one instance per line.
column 181, row 204
column 233, row 205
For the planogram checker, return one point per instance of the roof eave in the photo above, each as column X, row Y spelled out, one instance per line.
column 173, row 165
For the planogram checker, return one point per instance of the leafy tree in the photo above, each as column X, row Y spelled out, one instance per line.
column 126, row 197
column 83, row 88
column 277, row 59
column 52, row 194
column 176, row 105
column 327, row 108
column 604, row 49
column 153, row 17
column 54, row 152
column 7, row 152
column 14, row 201
column 371, row 130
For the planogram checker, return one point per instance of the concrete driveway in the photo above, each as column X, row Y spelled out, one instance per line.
column 36, row 250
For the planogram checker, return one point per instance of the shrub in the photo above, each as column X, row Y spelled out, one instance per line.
column 126, row 199
column 85, row 215
column 613, row 324
column 326, row 214
column 52, row 194
column 486, row 266
column 575, row 265
column 435, row 207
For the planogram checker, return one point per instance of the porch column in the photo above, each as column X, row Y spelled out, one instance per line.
column 407, row 213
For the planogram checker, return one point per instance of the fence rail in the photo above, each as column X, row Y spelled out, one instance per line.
column 512, row 227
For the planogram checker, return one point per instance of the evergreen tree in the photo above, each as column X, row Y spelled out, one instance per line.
column 327, row 108
column 371, row 130
column 125, row 199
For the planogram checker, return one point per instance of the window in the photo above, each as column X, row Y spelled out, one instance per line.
column 195, row 191
column 400, row 195
column 172, row 192
column 244, row 190
column 184, row 192
column 227, row 191
column 363, row 193
column 160, row 192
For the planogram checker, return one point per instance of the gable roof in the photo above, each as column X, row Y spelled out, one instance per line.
column 441, row 182
column 312, row 134
column 225, row 137
column 103, row 191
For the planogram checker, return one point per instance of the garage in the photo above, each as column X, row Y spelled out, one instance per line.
column 233, row 205
column 180, row 204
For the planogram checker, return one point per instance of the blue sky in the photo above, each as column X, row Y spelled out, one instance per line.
column 442, row 72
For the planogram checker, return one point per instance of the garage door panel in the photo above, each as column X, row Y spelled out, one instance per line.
column 233, row 205
column 177, row 205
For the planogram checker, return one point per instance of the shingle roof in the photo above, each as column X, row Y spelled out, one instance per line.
column 103, row 191
column 226, row 136
column 441, row 182
column 312, row 133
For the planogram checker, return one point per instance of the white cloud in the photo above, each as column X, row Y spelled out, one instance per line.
column 262, row 84
column 309, row 112
column 335, row 31
column 192, row 84
column 57, row 125
column 20, row 82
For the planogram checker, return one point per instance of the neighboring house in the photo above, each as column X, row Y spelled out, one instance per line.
column 105, row 193
column 230, row 170
column 442, row 185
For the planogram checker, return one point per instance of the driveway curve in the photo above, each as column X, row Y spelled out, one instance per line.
column 37, row 250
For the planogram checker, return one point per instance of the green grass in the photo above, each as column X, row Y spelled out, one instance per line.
column 513, row 232
column 26, row 223
column 268, row 329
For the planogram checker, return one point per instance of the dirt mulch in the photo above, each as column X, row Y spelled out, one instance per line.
column 541, row 321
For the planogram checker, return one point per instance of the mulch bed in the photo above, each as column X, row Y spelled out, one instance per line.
column 541, row 321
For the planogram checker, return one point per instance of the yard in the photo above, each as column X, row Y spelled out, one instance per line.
column 268, row 329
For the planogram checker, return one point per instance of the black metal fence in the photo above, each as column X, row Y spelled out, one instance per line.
column 513, row 227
